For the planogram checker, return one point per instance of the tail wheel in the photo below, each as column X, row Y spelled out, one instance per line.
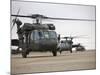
column 54, row 53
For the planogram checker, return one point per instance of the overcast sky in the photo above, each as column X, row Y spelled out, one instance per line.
column 64, row 27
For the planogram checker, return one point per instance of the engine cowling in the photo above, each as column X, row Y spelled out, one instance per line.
column 51, row 26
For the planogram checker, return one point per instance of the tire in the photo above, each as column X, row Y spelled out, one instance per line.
column 24, row 54
column 70, row 51
column 60, row 52
column 54, row 53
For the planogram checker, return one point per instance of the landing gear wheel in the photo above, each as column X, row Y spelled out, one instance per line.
column 24, row 54
column 54, row 53
column 70, row 51
column 60, row 52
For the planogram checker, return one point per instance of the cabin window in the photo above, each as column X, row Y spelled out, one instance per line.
column 32, row 35
column 35, row 35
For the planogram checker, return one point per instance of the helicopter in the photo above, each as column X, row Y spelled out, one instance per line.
column 36, row 36
column 67, row 44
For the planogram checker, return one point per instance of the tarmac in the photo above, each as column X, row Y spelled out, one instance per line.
column 38, row 62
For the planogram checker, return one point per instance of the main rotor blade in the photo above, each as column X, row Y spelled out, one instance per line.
column 70, row 19
column 44, row 17
column 14, row 21
column 22, row 16
column 80, row 36
column 13, row 25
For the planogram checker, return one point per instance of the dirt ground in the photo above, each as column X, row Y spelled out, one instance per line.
column 44, row 62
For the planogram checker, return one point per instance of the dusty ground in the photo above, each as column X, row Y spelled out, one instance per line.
column 45, row 62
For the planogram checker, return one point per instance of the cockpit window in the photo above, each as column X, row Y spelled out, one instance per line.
column 46, row 34
column 52, row 34
column 41, row 36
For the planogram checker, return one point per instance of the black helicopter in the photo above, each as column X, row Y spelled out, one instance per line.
column 37, row 36
column 67, row 44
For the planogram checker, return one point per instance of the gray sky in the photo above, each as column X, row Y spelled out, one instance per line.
column 64, row 27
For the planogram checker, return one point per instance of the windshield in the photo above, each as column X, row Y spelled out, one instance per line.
column 44, row 34
column 47, row 34
column 41, row 35
column 52, row 34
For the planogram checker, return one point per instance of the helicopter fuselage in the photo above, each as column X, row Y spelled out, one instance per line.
column 42, row 40
column 38, row 37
